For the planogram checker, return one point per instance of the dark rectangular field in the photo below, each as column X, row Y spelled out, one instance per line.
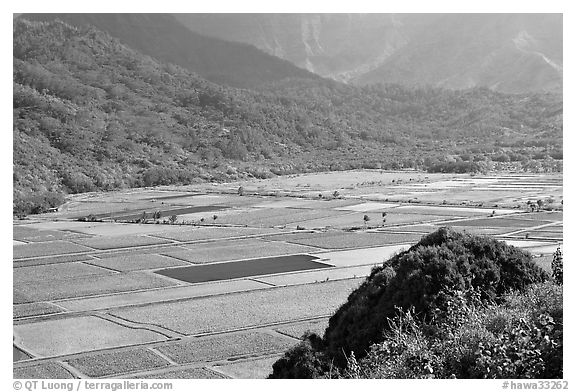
column 181, row 196
column 242, row 269
column 128, row 215
column 167, row 213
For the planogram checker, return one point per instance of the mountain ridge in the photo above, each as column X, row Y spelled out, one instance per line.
column 442, row 50
column 162, row 37
column 495, row 51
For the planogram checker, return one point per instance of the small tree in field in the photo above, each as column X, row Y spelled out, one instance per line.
column 240, row 191
column 173, row 219
column 366, row 219
column 214, row 217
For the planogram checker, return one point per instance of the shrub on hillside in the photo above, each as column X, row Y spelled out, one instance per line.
column 558, row 267
column 36, row 203
column 521, row 337
column 77, row 182
column 305, row 360
column 417, row 278
column 167, row 175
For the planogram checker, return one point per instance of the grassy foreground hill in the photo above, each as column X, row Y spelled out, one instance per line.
column 452, row 306
column 91, row 113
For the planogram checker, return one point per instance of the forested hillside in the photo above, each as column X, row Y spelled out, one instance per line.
column 90, row 113
column 162, row 37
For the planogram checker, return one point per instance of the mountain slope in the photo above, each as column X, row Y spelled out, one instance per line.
column 334, row 45
column 91, row 113
column 161, row 36
column 505, row 52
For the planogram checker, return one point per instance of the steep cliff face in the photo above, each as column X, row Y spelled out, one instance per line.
column 506, row 52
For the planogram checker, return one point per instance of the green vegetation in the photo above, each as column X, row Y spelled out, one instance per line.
column 92, row 114
column 37, row 202
column 223, row 62
column 453, row 305
column 366, row 219
column 521, row 337
column 558, row 267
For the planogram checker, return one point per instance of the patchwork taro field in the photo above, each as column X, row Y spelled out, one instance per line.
column 223, row 280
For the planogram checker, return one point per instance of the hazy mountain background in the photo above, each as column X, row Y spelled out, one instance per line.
column 505, row 52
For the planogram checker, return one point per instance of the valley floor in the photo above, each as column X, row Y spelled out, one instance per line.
column 89, row 301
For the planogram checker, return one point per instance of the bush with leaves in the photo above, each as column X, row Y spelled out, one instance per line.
column 305, row 360
column 558, row 267
column 36, row 203
column 519, row 337
column 417, row 279
column 531, row 349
